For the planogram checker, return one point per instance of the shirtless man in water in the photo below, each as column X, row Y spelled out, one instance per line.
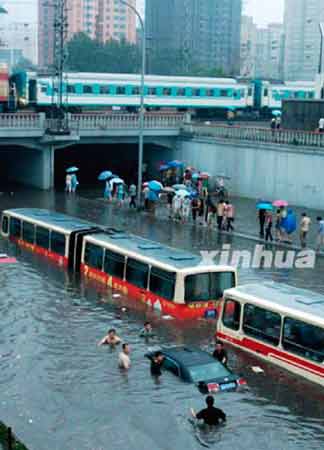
column 111, row 338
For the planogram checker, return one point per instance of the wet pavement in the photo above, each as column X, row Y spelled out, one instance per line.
column 60, row 391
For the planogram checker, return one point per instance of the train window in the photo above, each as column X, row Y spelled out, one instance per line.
column 232, row 314
column 195, row 92
column 311, row 95
column 87, row 89
column 262, row 324
column 15, row 227
column 209, row 92
column 70, row 89
column 93, row 256
column 136, row 90
column 114, row 264
column 265, row 92
column 121, row 90
column 58, row 243
column 151, row 91
column 162, row 283
column 5, row 224
column 104, row 90
column 166, row 91
column 250, row 92
column 137, row 273
column 42, row 237
column 181, row 92
column 28, row 232
column 224, row 93
column 303, row 339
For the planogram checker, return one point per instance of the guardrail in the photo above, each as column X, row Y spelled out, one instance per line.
column 122, row 121
column 19, row 121
column 262, row 135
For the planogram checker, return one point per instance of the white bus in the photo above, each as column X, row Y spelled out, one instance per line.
column 281, row 324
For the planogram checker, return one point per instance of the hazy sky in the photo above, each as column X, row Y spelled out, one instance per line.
column 264, row 11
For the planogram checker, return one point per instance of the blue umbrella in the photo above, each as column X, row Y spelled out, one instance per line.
column 72, row 169
column 155, row 186
column 153, row 196
column 177, row 187
column 175, row 164
column 164, row 167
column 195, row 176
column 276, row 112
column 265, row 206
column 105, row 175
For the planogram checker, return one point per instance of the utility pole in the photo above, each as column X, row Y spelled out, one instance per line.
column 60, row 37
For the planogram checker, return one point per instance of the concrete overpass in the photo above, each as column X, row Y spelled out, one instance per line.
column 38, row 138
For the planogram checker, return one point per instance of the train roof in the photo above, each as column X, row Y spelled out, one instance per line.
column 135, row 78
column 137, row 246
column 290, row 298
column 55, row 219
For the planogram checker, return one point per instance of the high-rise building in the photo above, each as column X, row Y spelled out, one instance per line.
column 248, row 47
column 261, row 50
column 204, row 33
column 99, row 19
column 302, row 38
column 18, row 40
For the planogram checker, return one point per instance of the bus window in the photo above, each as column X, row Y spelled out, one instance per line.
column 42, row 237
column 137, row 273
column 303, row 339
column 162, row 283
column 114, row 264
column 5, row 224
column 207, row 286
column 93, row 256
column 28, row 232
column 262, row 324
column 58, row 243
column 15, row 227
column 232, row 314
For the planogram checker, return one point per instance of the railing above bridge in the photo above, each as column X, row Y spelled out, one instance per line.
column 261, row 135
column 90, row 121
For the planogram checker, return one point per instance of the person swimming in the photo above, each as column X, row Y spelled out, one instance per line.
column 147, row 330
column 124, row 361
column 156, row 364
column 210, row 415
column 111, row 338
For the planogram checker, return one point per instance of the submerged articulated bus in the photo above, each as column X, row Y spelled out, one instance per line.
column 281, row 324
column 172, row 281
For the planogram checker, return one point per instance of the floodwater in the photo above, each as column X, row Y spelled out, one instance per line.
column 60, row 391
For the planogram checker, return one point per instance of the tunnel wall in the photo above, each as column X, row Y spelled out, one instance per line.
column 261, row 171
column 29, row 167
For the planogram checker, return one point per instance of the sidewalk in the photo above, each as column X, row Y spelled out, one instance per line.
column 246, row 220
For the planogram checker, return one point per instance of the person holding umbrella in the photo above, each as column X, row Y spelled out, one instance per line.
column 268, row 226
column 72, row 182
column 68, row 184
column 132, row 194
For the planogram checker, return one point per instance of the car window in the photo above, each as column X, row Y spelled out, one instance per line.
column 208, row 372
column 171, row 365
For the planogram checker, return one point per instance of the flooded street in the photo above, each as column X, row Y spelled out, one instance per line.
column 59, row 390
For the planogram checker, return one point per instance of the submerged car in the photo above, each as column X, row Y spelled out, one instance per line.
column 199, row 367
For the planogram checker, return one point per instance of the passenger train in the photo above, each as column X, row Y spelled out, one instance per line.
column 172, row 281
column 95, row 91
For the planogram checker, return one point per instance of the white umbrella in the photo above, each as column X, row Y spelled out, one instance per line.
column 116, row 181
column 183, row 193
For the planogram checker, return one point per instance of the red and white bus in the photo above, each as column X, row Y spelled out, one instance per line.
column 173, row 281
column 281, row 324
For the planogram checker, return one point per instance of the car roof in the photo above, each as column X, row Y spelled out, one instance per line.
column 188, row 356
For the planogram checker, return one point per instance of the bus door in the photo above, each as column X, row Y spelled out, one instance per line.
column 75, row 247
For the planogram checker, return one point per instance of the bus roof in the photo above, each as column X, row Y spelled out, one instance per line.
column 57, row 220
column 172, row 257
column 288, row 298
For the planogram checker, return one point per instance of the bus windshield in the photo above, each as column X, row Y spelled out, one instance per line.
column 207, row 286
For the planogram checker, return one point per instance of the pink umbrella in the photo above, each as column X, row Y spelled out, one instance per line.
column 280, row 203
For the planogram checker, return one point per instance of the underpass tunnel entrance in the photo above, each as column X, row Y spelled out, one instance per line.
column 121, row 159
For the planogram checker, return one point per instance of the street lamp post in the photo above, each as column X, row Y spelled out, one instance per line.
column 141, row 112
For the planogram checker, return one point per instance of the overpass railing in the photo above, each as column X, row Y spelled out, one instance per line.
column 120, row 121
column 22, row 120
column 262, row 135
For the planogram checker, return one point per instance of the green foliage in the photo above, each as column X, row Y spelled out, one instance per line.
column 88, row 55
column 16, row 445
